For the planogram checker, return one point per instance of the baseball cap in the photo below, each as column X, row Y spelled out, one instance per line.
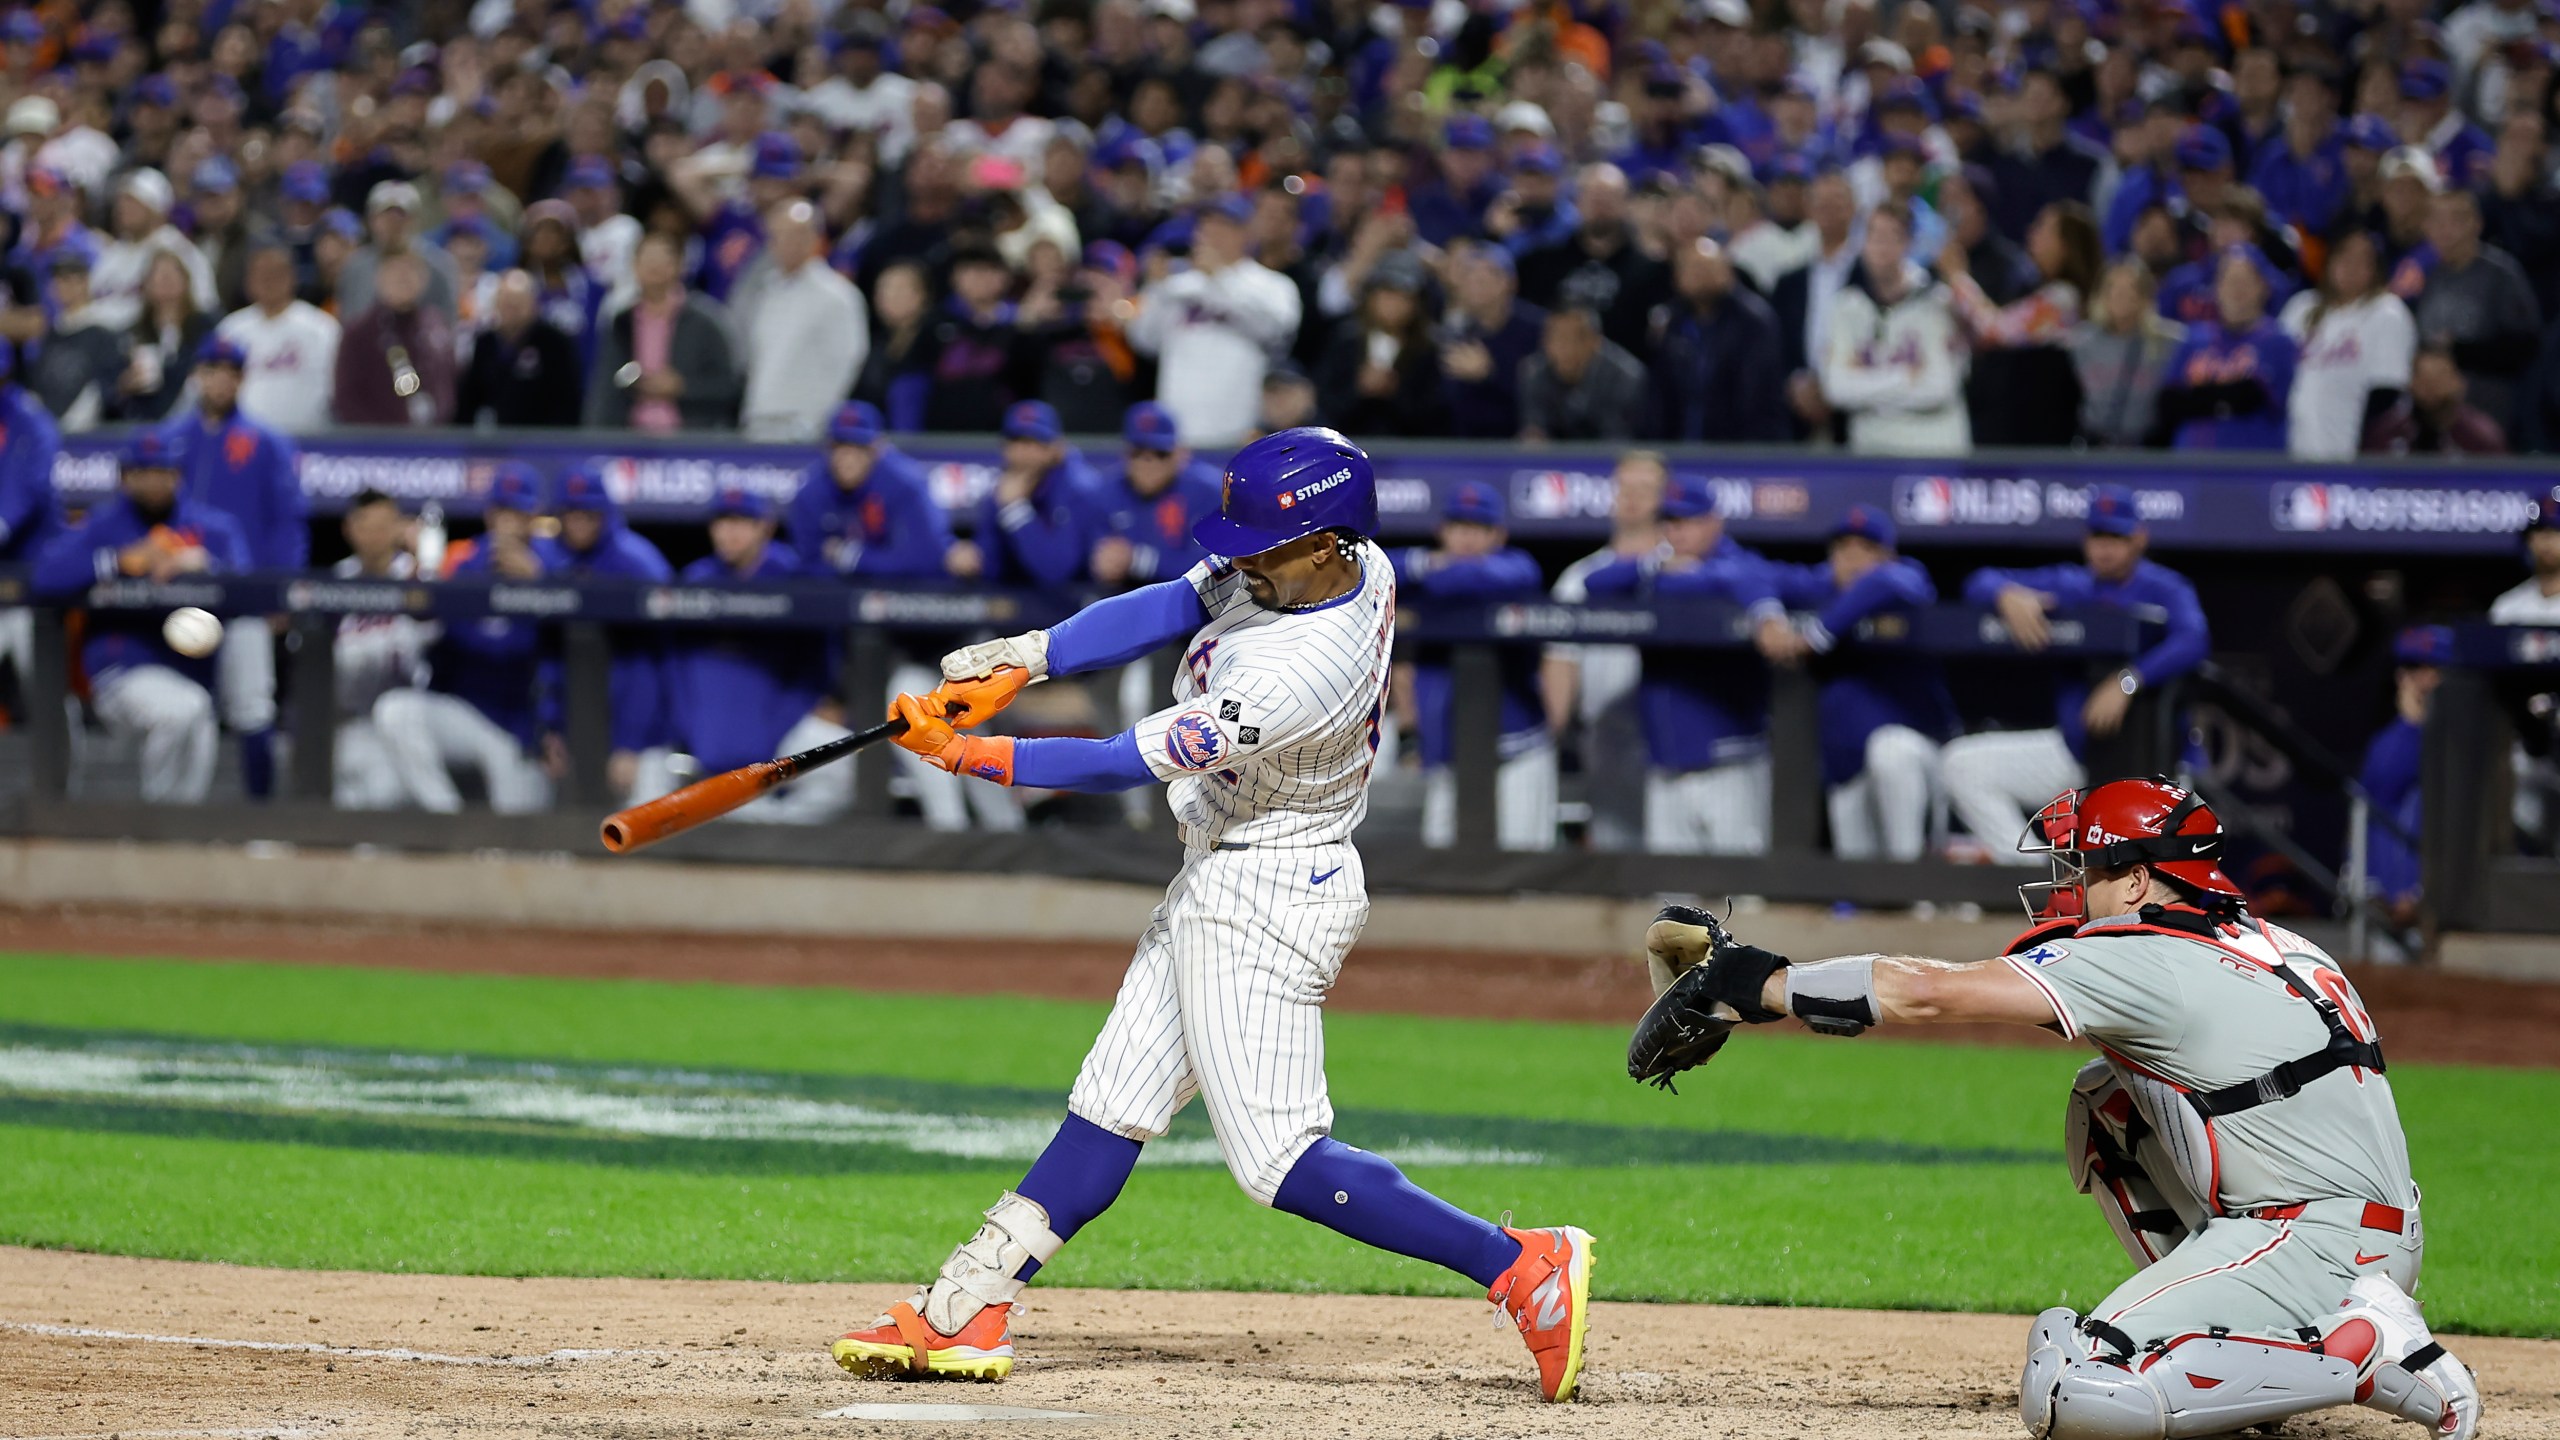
column 149, row 450
column 1538, row 159
column 589, row 172
column 223, row 350
column 216, row 175
column 467, row 177
column 2546, row 513
column 1111, row 256
column 342, row 222
column 777, row 157
column 1032, row 420
column 1907, row 94
column 856, row 422
column 307, row 182
column 1687, row 498
column 1787, row 167
column 1227, row 207
column 2112, row 510
column 2204, row 148
column 741, row 501
column 1867, row 522
column 1469, row 132
column 1473, row 502
column 2424, row 80
column 156, row 90
column 2370, row 132
column 392, row 195
column 151, row 188
column 1397, row 270
column 33, row 115
column 1525, row 115
column 2423, row 645
column 514, row 486
column 582, row 488
column 1149, row 426
column 2414, row 163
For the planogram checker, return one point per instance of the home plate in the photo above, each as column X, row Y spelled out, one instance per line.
column 948, row 1413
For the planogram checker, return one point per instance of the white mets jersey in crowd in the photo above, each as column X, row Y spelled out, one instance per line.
column 1275, row 715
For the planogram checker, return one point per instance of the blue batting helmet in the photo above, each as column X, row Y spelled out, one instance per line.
column 1287, row 485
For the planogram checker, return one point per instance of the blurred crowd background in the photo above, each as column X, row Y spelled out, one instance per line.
column 1906, row 227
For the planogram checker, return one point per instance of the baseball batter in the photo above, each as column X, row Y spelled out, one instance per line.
column 1267, row 749
column 2237, row 1132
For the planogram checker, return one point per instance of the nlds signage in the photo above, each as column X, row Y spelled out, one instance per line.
column 1940, row 501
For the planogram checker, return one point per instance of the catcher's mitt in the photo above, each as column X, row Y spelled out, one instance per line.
column 1714, row 983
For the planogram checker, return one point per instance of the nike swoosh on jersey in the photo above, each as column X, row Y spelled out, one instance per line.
column 1320, row 879
column 2364, row 1259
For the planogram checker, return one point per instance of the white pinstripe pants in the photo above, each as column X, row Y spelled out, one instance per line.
column 2260, row 1277
column 1224, row 1000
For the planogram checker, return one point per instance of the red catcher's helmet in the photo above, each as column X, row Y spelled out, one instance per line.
column 2121, row 823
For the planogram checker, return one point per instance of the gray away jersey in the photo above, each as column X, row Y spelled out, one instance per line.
column 1275, row 712
column 2199, row 1016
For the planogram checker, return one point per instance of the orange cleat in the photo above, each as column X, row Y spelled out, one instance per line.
column 1547, row 1293
column 902, row 1346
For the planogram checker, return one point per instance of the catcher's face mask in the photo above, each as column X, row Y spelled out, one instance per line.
column 2065, row 895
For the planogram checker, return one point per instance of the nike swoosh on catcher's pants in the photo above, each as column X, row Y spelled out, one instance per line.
column 2364, row 1259
column 1320, row 879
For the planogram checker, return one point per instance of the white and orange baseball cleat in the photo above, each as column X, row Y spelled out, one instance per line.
column 1547, row 1293
column 903, row 1346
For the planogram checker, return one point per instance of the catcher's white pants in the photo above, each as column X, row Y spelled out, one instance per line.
column 18, row 641
column 172, row 716
column 1224, row 1000
column 947, row 801
column 1721, row 810
column 427, row 732
column 2262, row 1277
column 1884, row 812
column 364, row 775
column 1524, row 802
column 246, row 673
column 1997, row 779
column 816, row 798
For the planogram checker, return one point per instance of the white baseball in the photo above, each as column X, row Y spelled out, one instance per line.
column 192, row 632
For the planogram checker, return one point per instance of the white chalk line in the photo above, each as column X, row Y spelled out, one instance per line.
column 291, row 1347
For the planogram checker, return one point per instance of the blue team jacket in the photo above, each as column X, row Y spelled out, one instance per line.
column 81, row 556
column 493, row 662
column 2390, row 775
column 1423, row 578
column 639, row 681
column 29, row 444
column 251, row 474
column 2153, row 586
column 886, row 528
column 1039, row 542
column 1864, row 689
column 731, row 695
column 1158, row 529
column 1699, row 707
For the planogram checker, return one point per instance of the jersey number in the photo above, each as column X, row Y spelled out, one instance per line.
column 2338, row 992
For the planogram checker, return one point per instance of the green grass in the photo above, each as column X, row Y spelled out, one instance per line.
column 1956, row 1236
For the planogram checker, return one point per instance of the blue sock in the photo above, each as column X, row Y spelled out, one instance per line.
column 258, row 763
column 1367, row 1198
column 1077, row 1177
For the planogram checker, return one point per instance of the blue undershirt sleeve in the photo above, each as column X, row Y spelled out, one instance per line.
column 1124, row 627
column 1066, row 762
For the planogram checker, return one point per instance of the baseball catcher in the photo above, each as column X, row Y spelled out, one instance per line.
column 2237, row 1130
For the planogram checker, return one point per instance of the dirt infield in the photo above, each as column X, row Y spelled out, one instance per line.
column 96, row 1346
column 2425, row 1015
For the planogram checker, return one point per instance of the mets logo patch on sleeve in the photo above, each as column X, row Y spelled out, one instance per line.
column 2041, row 955
column 1194, row 740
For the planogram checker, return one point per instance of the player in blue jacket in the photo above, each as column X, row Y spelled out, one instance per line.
column 2226, row 388
column 867, row 512
column 29, row 515
column 1706, row 712
column 866, row 509
column 1031, row 526
column 595, row 542
column 254, row 475
column 151, row 530
column 478, row 710
column 1995, row 779
column 2392, row 760
column 738, row 696
column 1883, row 711
column 1474, row 561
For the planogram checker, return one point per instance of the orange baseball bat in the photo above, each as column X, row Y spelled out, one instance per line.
column 709, row 799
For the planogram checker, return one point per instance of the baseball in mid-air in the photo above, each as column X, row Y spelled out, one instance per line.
column 192, row 632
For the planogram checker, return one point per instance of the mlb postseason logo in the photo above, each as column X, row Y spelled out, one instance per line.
column 2319, row 506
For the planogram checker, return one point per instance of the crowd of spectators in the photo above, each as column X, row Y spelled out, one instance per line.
column 1902, row 227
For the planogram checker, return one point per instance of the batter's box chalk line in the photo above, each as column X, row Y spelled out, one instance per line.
column 353, row 1352
column 946, row 1414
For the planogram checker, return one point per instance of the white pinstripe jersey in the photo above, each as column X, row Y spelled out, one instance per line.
column 1274, row 719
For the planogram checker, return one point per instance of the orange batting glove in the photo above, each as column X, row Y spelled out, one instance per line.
column 930, row 735
column 970, row 703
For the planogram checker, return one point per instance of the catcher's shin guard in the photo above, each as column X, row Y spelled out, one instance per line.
column 2193, row 1385
column 958, row 1324
column 2400, row 1369
column 2118, row 1161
